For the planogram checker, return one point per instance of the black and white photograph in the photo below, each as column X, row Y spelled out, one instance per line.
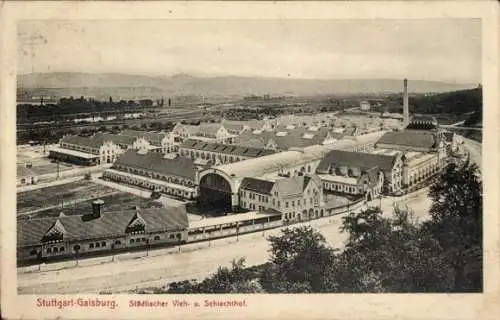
column 162, row 157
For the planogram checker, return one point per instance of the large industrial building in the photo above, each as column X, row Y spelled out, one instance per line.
column 170, row 173
column 218, row 153
column 99, row 231
column 358, row 173
column 219, row 185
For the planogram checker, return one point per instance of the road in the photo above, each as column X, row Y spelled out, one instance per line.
column 475, row 150
column 196, row 261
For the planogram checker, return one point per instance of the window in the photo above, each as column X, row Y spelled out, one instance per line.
column 275, row 193
column 293, row 203
column 91, row 246
column 118, row 242
column 298, row 202
column 55, row 250
column 286, row 204
column 103, row 244
column 171, row 236
column 97, row 245
column 279, row 203
column 33, row 252
column 274, row 202
column 131, row 240
column 62, row 249
column 49, row 250
column 157, row 237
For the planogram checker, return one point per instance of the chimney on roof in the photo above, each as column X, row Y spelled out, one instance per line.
column 406, row 107
column 97, row 208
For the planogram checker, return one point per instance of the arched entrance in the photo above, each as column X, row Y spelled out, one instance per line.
column 215, row 193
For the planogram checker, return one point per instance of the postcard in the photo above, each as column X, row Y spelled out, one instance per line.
column 249, row 160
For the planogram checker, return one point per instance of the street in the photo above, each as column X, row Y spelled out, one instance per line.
column 475, row 150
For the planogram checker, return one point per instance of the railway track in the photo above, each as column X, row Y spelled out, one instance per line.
column 71, row 125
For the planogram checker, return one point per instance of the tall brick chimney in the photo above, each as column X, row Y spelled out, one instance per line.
column 406, row 107
column 97, row 208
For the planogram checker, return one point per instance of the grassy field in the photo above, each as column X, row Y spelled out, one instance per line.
column 46, row 197
column 51, row 168
column 116, row 202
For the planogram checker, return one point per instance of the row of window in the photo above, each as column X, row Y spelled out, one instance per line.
column 149, row 185
column 252, row 206
column 211, row 156
column 55, row 249
column 340, row 187
column 97, row 245
column 103, row 244
column 254, row 196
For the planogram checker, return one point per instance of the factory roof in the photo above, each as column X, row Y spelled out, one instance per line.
column 82, row 227
column 152, row 137
column 257, row 167
column 209, row 129
column 409, row 138
column 257, row 185
column 115, row 138
column 156, row 162
column 74, row 153
column 360, row 160
column 225, row 148
column 82, row 141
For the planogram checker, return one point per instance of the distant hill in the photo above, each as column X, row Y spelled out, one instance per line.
column 129, row 86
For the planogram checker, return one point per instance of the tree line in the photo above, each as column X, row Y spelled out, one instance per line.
column 82, row 106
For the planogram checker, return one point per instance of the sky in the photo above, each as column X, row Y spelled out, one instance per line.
column 439, row 50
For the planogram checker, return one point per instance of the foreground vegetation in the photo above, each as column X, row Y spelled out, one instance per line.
column 396, row 254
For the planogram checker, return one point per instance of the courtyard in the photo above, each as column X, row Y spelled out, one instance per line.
column 75, row 198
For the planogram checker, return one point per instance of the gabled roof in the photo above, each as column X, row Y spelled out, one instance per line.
column 97, row 140
column 364, row 161
column 82, row 141
column 209, row 129
column 409, row 139
column 115, row 138
column 77, row 227
column 292, row 186
column 257, row 185
column 152, row 137
column 156, row 162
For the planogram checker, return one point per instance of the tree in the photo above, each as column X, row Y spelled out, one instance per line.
column 390, row 254
column 456, row 223
column 300, row 262
column 236, row 279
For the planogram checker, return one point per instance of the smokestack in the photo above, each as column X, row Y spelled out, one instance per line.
column 97, row 208
column 406, row 108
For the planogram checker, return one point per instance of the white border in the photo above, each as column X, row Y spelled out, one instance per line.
column 342, row 306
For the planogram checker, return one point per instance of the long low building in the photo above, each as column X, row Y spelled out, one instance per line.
column 99, row 231
column 170, row 173
column 218, row 153
column 221, row 183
